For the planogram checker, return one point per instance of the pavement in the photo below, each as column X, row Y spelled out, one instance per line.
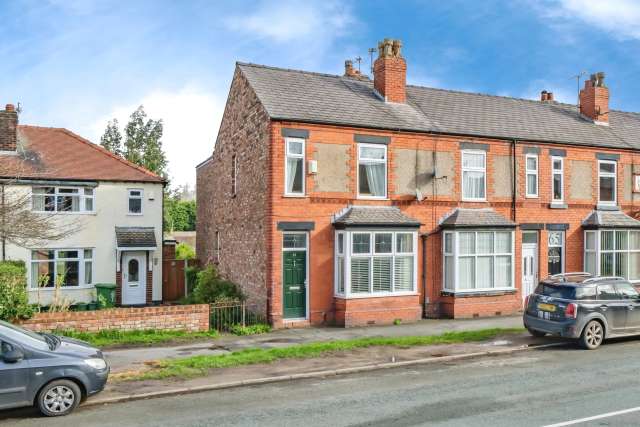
column 554, row 386
column 128, row 359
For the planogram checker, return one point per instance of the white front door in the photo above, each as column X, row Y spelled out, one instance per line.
column 529, row 268
column 134, row 278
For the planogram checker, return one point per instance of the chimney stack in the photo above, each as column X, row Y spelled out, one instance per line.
column 349, row 71
column 390, row 72
column 594, row 99
column 8, row 129
column 546, row 96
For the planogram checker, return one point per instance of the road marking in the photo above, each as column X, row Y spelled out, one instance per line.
column 595, row 417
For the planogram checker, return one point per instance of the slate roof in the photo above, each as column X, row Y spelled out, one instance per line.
column 485, row 217
column 373, row 216
column 609, row 219
column 324, row 98
column 59, row 154
column 135, row 237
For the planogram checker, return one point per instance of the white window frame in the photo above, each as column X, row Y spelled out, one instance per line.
column 349, row 255
column 302, row 156
column 141, row 197
column 373, row 161
column 613, row 175
column 340, row 255
column 599, row 251
column 464, row 169
column 531, row 172
column 456, row 255
column 555, row 172
column 82, row 198
column 562, row 247
column 81, row 267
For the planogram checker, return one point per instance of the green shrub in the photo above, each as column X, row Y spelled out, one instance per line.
column 192, row 278
column 260, row 328
column 14, row 301
column 184, row 251
column 210, row 287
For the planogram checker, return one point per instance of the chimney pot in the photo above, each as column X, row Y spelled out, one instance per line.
column 10, row 107
column 543, row 96
column 390, row 71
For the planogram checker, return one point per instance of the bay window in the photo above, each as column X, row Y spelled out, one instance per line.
column 372, row 171
column 531, row 161
column 477, row 260
column 607, row 182
column 373, row 263
column 69, row 267
column 612, row 253
column 62, row 199
column 474, row 175
column 294, row 167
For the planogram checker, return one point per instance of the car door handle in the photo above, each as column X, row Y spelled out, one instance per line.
column 603, row 307
column 630, row 307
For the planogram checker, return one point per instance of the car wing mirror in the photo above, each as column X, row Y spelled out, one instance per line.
column 13, row 356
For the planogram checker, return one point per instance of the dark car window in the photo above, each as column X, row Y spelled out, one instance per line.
column 23, row 336
column 607, row 292
column 566, row 292
column 627, row 291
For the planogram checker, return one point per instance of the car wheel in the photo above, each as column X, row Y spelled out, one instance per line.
column 59, row 398
column 592, row 335
column 536, row 333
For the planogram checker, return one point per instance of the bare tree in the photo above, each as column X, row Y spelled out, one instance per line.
column 19, row 224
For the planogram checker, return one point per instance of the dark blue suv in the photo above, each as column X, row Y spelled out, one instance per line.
column 51, row 372
column 581, row 306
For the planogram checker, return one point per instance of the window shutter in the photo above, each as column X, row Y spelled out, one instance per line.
column 360, row 275
column 382, row 274
column 404, row 274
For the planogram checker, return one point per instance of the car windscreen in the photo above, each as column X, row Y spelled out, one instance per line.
column 566, row 292
column 22, row 336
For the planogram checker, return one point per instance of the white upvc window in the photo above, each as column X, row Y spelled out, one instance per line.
column 63, row 199
column 68, row 267
column 375, row 263
column 135, row 197
column 474, row 175
column 531, row 166
column 612, row 253
column 478, row 260
column 372, row 171
column 557, row 179
column 294, row 168
column 607, row 182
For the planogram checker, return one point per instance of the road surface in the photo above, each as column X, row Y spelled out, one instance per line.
column 531, row 388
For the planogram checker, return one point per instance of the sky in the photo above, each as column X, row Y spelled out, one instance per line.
column 79, row 63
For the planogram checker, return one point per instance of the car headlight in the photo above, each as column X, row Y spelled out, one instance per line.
column 97, row 364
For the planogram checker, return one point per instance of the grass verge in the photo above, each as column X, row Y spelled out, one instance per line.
column 200, row 365
column 117, row 338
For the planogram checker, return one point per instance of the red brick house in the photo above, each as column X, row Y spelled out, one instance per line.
column 341, row 200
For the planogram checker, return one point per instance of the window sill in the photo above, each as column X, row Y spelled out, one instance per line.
column 62, row 288
column 135, row 214
column 372, row 198
column 64, row 213
column 295, row 196
column 606, row 207
column 530, row 196
column 377, row 295
column 479, row 293
column 475, row 200
column 558, row 205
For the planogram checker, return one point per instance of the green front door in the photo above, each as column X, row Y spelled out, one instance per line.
column 295, row 289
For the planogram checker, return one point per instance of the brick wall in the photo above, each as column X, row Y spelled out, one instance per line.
column 240, row 219
column 192, row 318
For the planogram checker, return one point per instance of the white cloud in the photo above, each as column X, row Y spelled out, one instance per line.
column 617, row 17
column 191, row 120
column 310, row 24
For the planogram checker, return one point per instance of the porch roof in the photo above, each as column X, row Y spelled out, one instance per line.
column 373, row 216
column 135, row 237
column 609, row 219
column 475, row 218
